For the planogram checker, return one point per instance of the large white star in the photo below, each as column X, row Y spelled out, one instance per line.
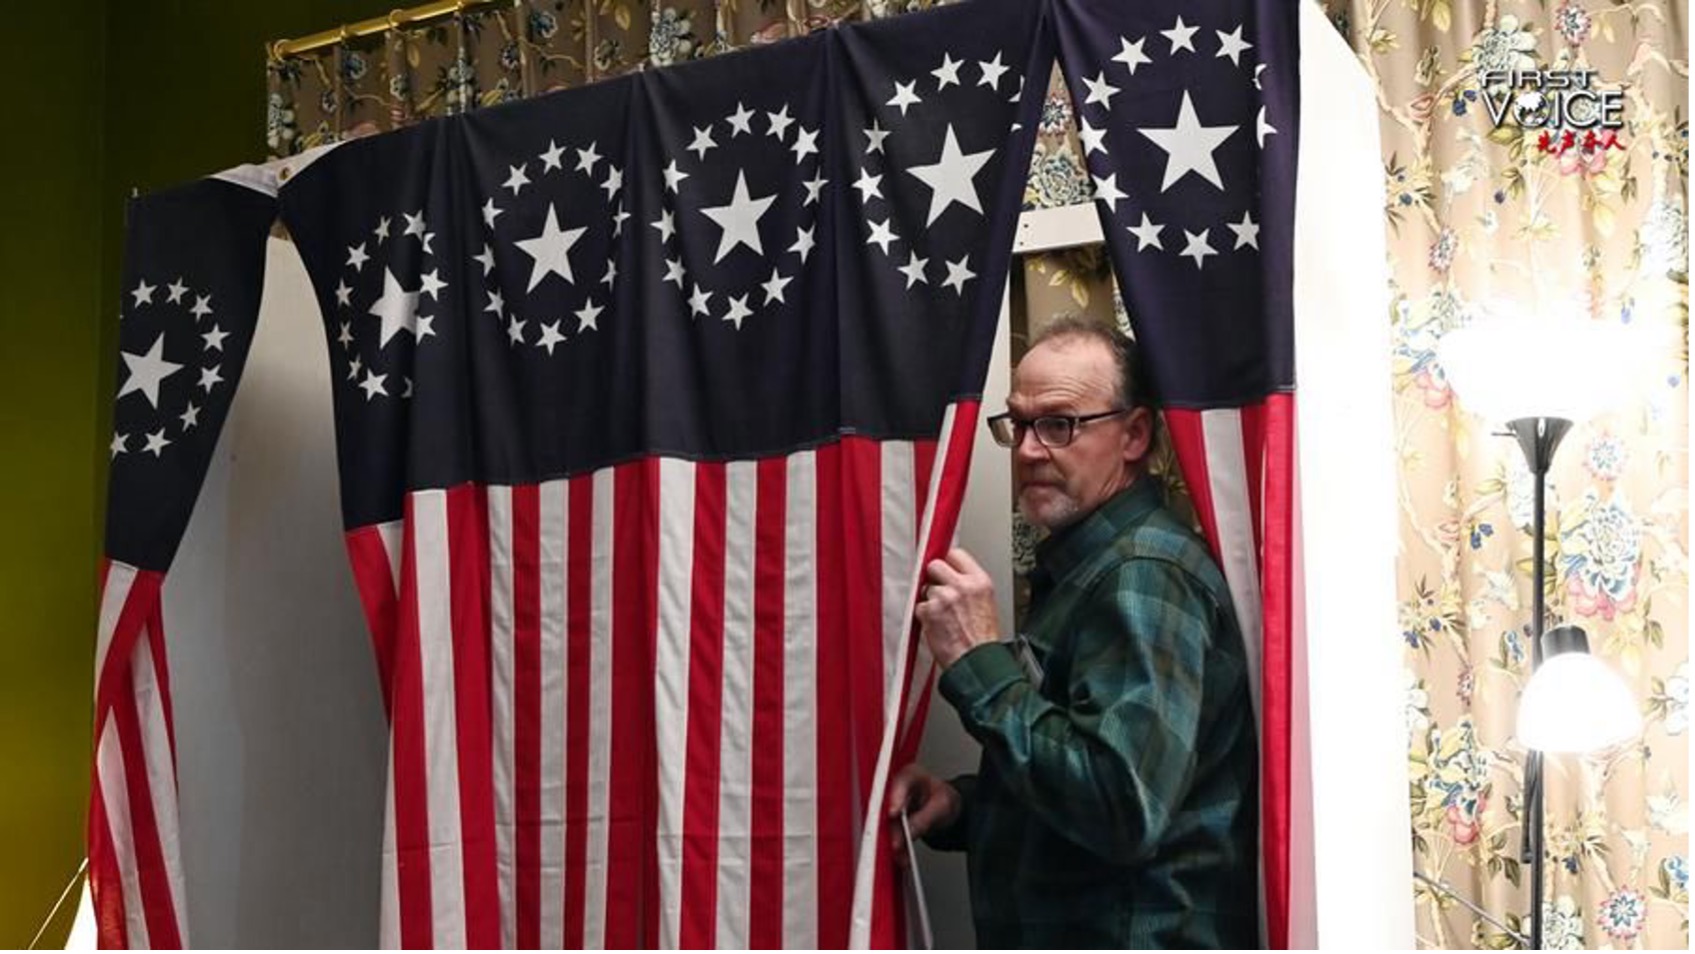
column 1106, row 190
column 1189, row 145
column 905, row 95
column 1232, row 45
column 702, row 141
column 397, row 308
column 1147, row 234
column 882, row 235
column 1197, row 249
column 948, row 73
column 143, row 293
column 550, row 336
column 1100, row 91
column 1247, row 231
column 550, row 250
column 914, row 269
column 1182, row 37
column 949, row 177
column 738, row 311
column 774, row 287
column 958, row 274
column 1131, row 55
column 146, row 371
column 739, row 219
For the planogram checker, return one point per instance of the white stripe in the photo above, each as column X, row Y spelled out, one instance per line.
column 114, row 790
column 388, row 934
column 800, row 705
column 502, row 691
column 923, row 662
column 441, row 738
column 900, row 529
column 119, row 578
column 671, row 682
column 553, row 698
column 1227, row 473
column 735, row 750
column 161, row 774
column 393, row 535
column 600, row 713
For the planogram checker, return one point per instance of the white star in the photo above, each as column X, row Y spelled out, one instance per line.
column 343, row 294
column 397, row 309
column 666, row 224
column 868, row 186
column 904, row 96
column 373, row 385
column 1198, row 249
column 739, row 219
column 741, row 121
column 1232, row 45
column 586, row 158
column 156, row 442
column 914, row 269
column 176, row 288
column 1189, row 145
column 813, row 186
column 215, row 337
column 550, row 336
column 614, row 181
column 190, row 417
column 702, row 141
column 426, row 326
column 1247, row 231
column 495, row 304
column 806, row 141
column 611, row 275
column 425, row 239
column 779, row 122
column 738, row 311
column 875, row 136
column 618, row 218
column 1093, row 139
column 958, row 274
column 699, row 300
column 491, row 212
column 380, row 233
column 515, row 331
column 118, row 444
column 414, row 223
column 550, row 250
column 1258, row 69
column 356, row 257
column 803, row 243
column 674, row 271
column 487, row 258
column 353, row 368
column 1106, row 190
column 992, row 71
column 1130, row 54
column 517, row 180
column 210, row 377
column 948, row 72
column 881, row 235
column 146, row 371
column 408, row 392
column 774, row 287
column 143, row 293
column 1147, row 234
column 1100, row 91
column 550, row 158
column 345, row 338
column 1263, row 128
column 949, row 177
column 1182, row 37
column 673, row 176
column 432, row 284
column 202, row 307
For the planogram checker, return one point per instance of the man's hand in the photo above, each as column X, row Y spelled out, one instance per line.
column 957, row 607
column 930, row 803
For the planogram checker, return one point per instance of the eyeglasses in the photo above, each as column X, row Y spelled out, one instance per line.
column 1052, row 430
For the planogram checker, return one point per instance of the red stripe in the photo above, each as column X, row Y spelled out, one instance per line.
column 468, row 551
column 526, row 704
column 1277, row 594
column 411, row 773
column 1254, row 456
column 630, row 868
column 579, row 571
column 105, row 884
column 157, row 906
column 374, row 578
column 923, row 463
column 765, row 909
column 862, row 540
column 112, row 683
column 162, row 678
column 836, row 846
column 698, row 927
column 1189, row 441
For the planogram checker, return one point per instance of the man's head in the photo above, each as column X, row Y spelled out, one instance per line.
column 1076, row 368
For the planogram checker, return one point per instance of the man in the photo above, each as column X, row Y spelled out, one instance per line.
column 1115, row 803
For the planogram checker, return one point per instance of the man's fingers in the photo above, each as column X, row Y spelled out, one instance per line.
column 961, row 560
column 939, row 573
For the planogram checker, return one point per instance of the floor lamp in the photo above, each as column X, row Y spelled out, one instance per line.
column 1540, row 376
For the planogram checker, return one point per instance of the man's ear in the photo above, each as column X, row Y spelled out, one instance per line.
column 1138, row 434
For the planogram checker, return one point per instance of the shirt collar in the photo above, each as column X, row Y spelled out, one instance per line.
column 1070, row 548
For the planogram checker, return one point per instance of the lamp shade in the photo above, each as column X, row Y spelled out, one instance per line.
column 1575, row 702
column 1510, row 367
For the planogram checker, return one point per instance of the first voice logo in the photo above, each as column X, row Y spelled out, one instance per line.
column 1564, row 104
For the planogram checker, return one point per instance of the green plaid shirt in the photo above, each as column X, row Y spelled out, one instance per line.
column 1115, row 803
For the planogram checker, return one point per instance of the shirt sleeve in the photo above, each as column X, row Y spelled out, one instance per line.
column 1108, row 768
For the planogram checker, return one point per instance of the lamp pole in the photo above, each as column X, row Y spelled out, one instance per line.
column 1539, row 438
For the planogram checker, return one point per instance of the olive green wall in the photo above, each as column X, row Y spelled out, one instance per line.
column 110, row 97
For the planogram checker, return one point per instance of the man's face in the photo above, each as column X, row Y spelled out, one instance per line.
column 1058, row 486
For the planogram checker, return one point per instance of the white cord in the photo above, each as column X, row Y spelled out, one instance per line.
column 58, row 904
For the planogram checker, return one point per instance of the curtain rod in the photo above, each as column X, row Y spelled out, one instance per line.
column 282, row 49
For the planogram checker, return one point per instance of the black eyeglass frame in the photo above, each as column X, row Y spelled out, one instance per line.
column 1071, row 421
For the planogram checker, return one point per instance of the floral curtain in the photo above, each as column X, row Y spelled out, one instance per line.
column 1480, row 215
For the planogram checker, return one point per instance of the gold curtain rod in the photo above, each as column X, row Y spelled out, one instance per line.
column 282, row 49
